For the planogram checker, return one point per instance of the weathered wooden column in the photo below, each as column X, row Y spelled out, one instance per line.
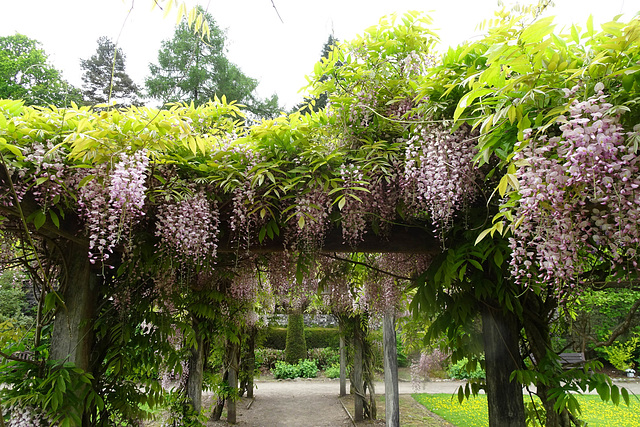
column 502, row 357
column 392, row 398
column 196, row 369
column 251, row 363
column 358, row 383
column 73, row 337
column 234, row 362
column 343, row 361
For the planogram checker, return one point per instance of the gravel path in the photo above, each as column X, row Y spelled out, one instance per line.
column 315, row 403
column 309, row 403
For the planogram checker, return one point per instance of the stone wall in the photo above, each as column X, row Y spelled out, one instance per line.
column 315, row 320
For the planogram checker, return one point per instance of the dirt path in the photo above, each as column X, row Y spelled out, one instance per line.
column 309, row 403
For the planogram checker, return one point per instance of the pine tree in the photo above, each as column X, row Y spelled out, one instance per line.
column 317, row 103
column 105, row 79
column 191, row 69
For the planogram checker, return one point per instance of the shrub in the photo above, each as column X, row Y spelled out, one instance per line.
column 275, row 338
column 304, row 368
column 403, row 360
column 307, row 369
column 324, row 357
column 621, row 353
column 333, row 371
column 459, row 371
column 266, row 358
column 322, row 337
column 284, row 370
column 296, row 348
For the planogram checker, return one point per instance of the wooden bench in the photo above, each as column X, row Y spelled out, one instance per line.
column 571, row 360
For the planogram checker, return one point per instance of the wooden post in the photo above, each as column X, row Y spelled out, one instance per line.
column 196, row 370
column 234, row 361
column 392, row 399
column 72, row 339
column 358, row 413
column 502, row 357
column 343, row 367
column 251, row 363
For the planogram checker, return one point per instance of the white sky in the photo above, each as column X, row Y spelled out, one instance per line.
column 278, row 54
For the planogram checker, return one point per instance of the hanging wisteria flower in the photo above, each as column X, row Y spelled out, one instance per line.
column 439, row 174
column 189, row 228
column 310, row 220
column 112, row 202
column 578, row 197
column 245, row 282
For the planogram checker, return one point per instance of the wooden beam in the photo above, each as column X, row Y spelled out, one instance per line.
column 400, row 239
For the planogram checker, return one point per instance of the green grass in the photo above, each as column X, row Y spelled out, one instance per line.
column 473, row 412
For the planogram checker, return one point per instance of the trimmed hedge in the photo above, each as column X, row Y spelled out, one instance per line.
column 296, row 348
column 276, row 338
column 322, row 337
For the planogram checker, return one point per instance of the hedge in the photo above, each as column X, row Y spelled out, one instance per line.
column 316, row 337
column 296, row 347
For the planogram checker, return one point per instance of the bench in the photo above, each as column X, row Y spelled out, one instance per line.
column 571, row 360
column 568, row 360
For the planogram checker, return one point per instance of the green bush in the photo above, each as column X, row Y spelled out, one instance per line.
column 333, row 371
column 304, row 368
column 324, row 357
column 275, row 338
column 284, row 370
column 307, row 369
column 322, row 337
column 266, row 358
column 459, row 371
column 296, row 348
column 403, row 360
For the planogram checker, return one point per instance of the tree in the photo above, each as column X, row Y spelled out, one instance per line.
column 25, row 74
column 318, row 102
column 105, row 79
column 192, row 69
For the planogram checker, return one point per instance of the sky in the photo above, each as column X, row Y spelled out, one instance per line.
column 279, row 53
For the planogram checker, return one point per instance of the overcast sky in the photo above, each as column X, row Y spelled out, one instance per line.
column 278, row 54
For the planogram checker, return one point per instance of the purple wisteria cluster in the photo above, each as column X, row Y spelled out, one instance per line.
column 439, row 174
column 430, row 361
column 188, row 228
column 352, row 211
column 310, row 221
column 336, row 284
column 48, row 175
column 245, row 282
column 383, row 291
column 26, row 416
column 281, row 273
column 112, row 202
column 367, row 199
column 579, row 197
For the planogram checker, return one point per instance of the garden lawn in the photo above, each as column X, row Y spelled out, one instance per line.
column 473, row 412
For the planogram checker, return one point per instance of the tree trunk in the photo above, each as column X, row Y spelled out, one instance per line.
column 196, row 371
column 536, row 325
column 502, row 357
column 357, row 372
column 73, row 336
column 392, row 399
